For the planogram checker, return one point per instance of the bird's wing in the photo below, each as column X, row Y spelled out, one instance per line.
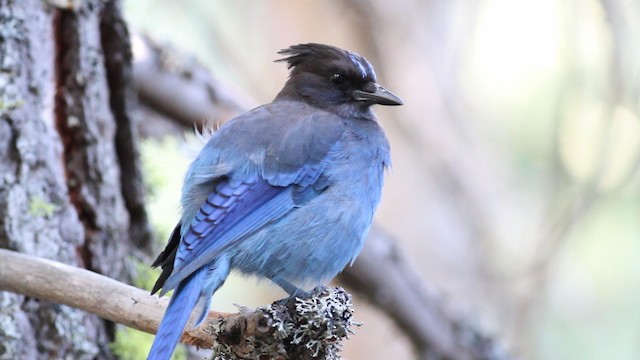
column 291, row 174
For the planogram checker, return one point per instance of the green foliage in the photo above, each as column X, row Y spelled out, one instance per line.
column 145, row 276
column 164, row 166
column 132, row 344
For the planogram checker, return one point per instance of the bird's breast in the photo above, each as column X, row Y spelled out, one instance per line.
column 316, row 240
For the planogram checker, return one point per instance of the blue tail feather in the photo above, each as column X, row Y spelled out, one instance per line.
column 217, row 272
column 175, row 318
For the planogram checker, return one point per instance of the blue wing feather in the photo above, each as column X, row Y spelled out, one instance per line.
column 238, row 208
column 219, row 224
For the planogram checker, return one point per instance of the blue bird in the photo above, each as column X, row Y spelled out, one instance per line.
column 286, row 191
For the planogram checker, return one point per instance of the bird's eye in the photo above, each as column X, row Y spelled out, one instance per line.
column 337, row 78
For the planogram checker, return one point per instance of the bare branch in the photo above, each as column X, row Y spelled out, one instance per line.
column 82, row 289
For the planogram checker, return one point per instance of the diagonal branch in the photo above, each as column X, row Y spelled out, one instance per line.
column 312, row 326
column 94, row 293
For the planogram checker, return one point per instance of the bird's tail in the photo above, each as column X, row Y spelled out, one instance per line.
column 182, row 302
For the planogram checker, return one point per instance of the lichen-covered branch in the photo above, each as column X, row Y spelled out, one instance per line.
column 310, row 326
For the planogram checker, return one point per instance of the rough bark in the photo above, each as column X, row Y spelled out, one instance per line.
column 62, row 194
column 116, row 46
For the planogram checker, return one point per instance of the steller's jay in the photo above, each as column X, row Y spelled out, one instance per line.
column 286, row 191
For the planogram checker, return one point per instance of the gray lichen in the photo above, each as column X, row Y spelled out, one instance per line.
column 312, row 326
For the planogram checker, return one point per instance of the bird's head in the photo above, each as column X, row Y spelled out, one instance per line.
column 329, row 76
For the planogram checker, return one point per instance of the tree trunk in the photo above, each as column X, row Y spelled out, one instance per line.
column 70, row 185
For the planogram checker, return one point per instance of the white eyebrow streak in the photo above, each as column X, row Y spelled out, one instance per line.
column 356, row 62
column 371, row 71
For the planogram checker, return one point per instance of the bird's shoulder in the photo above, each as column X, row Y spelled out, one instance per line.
column 274, row 121
column 282, row 134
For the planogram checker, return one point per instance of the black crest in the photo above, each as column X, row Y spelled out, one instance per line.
column 298, row 54
column 312, row 52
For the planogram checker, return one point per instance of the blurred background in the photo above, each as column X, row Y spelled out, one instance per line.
column 514, row 191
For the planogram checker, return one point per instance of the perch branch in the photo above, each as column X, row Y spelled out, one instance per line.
column 94, row 293
column 312, row 326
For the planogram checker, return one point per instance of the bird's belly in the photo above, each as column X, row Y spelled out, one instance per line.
column 313, row 243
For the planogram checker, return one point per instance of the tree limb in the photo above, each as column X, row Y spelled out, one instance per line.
column 311, row 326
column 79, row 288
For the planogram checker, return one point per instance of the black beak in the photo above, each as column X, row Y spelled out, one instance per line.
column 379, row 96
